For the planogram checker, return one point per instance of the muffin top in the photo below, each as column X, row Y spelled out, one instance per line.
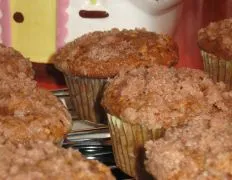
column 216, row 39
column 45, row 161
column 102, row 54
column 13, row 64
column 158, row 96
column 19, row 84
column 200, row 150
column 26, row 111
column 31, row 114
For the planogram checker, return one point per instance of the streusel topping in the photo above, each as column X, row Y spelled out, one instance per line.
column 102, row 54
column 158, row 96
column 32, row 114
column 14, row 64
column 45, row 161
column 216, row 38
column 202, row 149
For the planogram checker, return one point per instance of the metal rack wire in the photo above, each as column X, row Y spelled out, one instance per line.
column 92, row 140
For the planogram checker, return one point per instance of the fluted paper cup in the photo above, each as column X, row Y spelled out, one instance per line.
column 218, row 69
column 128, row 145
column 85, row 95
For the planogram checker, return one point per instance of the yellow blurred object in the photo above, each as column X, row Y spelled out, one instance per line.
column 93, row 1
column 33, row 28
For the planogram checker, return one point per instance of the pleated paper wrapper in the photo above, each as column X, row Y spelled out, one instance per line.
column 128, row 144
column 85, row 95
column 218, row 69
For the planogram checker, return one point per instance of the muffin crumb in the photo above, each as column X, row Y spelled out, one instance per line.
column 101, row 54
column 45, row 161
column 216, row 38
column 158, row 96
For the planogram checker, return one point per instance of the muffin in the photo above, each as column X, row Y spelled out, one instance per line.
column 202, row 149
column 91, row 59
column 13, row 64
column 45, row 161
column 143, row 102
column 215, row 42
column 31, row 113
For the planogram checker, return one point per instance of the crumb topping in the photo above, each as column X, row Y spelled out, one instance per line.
column 199, row 150
column 103, row 53
column 158, row 96
column 13, row 63
column 31, row 114
column 45, row 161
column 216, row 38
column 26, row 111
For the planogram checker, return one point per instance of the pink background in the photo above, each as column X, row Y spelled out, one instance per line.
column 197, row 14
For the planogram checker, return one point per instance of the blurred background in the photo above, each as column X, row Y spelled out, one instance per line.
column 195, row 15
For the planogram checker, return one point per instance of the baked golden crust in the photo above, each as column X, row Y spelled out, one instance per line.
column 13, row 64
column 45, row 161
column 200, row 150
column 103, row 54
column 158, row 96
column 216, row 39
column 31, row 114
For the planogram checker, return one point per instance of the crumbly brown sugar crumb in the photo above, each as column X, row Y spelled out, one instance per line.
column 199, row 150
column 31, row 113
column 103, row 53
column 14, row 64
column 26, row 111
column 216, row 38
column 158, row 96
column 45, row 161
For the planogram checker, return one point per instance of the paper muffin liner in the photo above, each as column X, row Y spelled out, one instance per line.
column 218, row 69
column 85, row 95
column 128, row 145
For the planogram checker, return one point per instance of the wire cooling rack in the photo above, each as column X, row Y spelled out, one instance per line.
column 92, row 140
